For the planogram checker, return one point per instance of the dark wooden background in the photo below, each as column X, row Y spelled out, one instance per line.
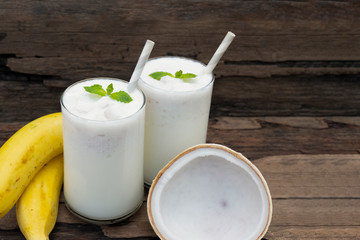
column 286, row 95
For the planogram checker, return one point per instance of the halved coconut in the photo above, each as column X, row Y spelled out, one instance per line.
column 209, row 192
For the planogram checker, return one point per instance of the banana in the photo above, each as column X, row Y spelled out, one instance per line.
column 25, row 153
column 37, row 208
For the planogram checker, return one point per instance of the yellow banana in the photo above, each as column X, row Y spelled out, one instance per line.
column 37, row 208
column 25, row 153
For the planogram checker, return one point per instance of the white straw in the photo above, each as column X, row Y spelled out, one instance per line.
column 219, row 53
column 144, row 56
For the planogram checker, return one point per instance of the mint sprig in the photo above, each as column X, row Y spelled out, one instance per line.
column 120, row 96
column 178, row 74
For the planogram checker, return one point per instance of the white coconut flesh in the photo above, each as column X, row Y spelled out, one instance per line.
column 210, row 192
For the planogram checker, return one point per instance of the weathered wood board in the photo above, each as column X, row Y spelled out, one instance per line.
column 74, row 40
column 232, row 97
column 314, row 196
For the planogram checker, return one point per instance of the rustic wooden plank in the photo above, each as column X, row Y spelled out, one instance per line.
column 137, row 226
column 80, row 232
column 312, row 176
column 243, row 123
column 23, row 101
column 62, row 231
column 74, row 40
column 316, row 212
column 258, row 137
column 267, row 136
column 263, row 70
column 114, row 66
column 304, row 206
column 284, row 96
column 313, row 233
column 291, row 218
column 74, row 69
column 7, row 129
column 232, row 97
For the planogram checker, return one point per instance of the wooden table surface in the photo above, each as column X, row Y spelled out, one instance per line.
column 286, row 95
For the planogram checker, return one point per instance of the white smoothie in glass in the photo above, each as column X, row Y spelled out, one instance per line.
column 177, row 110
column 103, row 151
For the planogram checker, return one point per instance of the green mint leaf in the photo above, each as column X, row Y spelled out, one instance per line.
column 178, row 74
column 121, row 96
column 96, row 89
column 109, row 89
column 187, row 75
column 159, row 75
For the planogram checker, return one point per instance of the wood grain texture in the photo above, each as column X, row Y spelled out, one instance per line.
column 305, row 206
column 286, row 96
column 314, row 233
column 322, row 176
column 257, row 137
column 72, row 41
column 232, row 97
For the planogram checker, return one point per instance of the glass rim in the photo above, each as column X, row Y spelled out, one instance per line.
column 100, row 121
column 178, row 92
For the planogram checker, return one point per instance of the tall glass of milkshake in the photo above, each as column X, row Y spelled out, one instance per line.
column 177, row 109
column 103, row 149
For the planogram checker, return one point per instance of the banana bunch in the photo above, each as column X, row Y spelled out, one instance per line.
column 37, row 208
column 22, row 156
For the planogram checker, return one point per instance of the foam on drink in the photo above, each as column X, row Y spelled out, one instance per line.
column 172, row 65
column 93, row 107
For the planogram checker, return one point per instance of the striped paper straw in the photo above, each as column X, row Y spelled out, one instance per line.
column 144, row 56
column 219, row 53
